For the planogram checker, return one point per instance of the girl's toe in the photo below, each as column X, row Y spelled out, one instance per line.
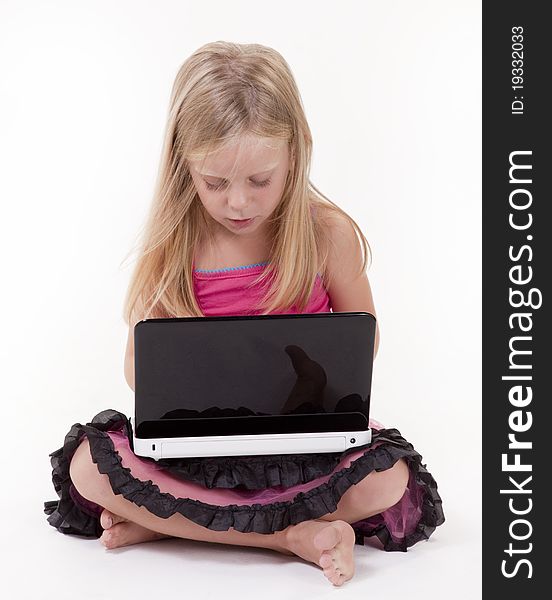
column 325, row 560
column 105, row 538
column 106, row 519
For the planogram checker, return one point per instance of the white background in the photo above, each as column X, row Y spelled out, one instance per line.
column 392, row 92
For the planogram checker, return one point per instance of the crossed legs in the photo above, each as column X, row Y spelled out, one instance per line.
column 327, row 541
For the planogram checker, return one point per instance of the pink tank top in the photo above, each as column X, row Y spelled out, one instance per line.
column 225, row 292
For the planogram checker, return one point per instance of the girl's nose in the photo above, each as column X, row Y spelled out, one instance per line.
column 237, row 199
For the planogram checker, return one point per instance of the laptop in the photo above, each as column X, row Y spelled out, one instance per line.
column 252, row 385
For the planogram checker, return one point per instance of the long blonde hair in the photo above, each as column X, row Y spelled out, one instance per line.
column 221, row 92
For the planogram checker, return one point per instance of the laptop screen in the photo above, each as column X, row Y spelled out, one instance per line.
column 253, row 374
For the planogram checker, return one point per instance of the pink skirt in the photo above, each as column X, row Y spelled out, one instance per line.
column 260, row 494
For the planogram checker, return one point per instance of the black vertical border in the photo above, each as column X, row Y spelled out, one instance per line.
column 503, row 133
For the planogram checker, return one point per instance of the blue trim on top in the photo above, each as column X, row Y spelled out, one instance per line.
column 230, row 268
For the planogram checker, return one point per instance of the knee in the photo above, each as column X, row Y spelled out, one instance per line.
column 396, row 481
column 85, row 475
column 383, row 489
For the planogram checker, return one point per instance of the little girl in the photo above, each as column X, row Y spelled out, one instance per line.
column 237, row 228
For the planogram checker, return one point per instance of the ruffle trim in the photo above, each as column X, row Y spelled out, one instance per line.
column 255, row 472
column 69, row 518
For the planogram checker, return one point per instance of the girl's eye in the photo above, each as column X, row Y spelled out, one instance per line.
column 213, row 187
column 210, row 186
column 262, row 183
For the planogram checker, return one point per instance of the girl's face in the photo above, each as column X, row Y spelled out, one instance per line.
column 243, row 182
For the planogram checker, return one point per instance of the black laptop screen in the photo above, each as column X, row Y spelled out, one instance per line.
column 260, row 374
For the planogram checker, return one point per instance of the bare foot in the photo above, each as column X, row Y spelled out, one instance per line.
column 119, row 532
column 328, row 544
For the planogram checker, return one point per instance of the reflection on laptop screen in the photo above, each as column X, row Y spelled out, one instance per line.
column 268, row 373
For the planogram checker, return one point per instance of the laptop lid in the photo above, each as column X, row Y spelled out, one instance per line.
column 262, row 374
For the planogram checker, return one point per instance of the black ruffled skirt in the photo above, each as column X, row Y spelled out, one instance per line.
column 260, row 494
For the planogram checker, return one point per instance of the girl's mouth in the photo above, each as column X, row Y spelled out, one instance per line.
column 240, row 223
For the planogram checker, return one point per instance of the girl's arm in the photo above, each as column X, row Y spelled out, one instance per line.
column 348, row 291
column 129, row 358
column 137, row 315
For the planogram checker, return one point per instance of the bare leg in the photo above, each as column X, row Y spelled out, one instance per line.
column 377, row 492
column 95, row 486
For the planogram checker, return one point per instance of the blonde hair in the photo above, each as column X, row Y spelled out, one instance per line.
column 222, row 92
